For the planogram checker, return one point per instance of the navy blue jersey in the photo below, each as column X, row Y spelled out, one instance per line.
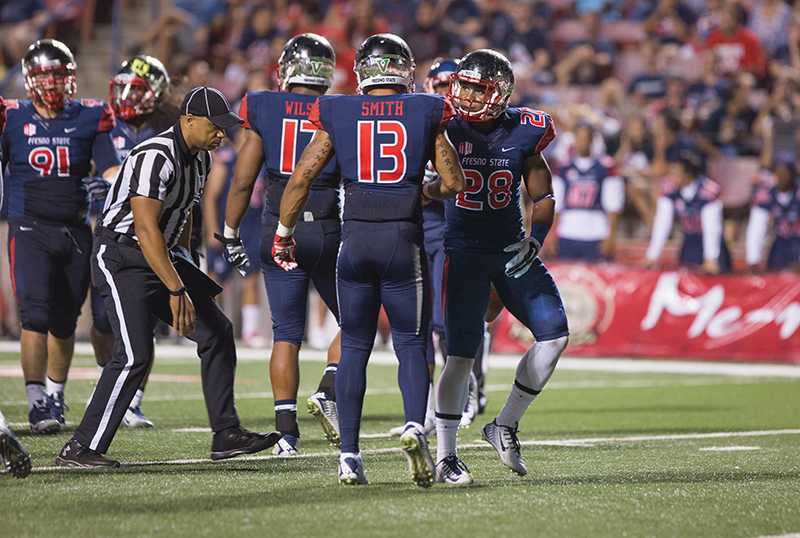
column 583, row 188
column 382, row 144
column 487, row 215
column 48, row 158
column 281, row 120
column 785, row 216
column 688, row 212
column 125, row 137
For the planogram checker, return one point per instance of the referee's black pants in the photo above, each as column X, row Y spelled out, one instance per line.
column 135, row 297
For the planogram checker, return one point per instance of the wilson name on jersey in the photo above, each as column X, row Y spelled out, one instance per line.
column 281, row 120
column 382, row 144
column 487, row 215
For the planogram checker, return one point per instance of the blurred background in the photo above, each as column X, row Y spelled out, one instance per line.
column 647, row 77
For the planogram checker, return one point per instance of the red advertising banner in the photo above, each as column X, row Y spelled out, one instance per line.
column 622, row 311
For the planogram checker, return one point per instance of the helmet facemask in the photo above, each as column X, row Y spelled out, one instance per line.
column 385, row 70
column 49, row 86
column 308, row 71
column 132, row 96
column 476, row 98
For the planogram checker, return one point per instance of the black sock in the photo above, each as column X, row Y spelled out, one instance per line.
column 328, row 382
column 286, row 417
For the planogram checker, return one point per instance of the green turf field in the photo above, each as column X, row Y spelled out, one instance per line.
column 610, row 454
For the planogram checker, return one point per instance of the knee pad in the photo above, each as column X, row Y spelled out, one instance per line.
column 63, row 326
column 291, row 332
column 34, row 317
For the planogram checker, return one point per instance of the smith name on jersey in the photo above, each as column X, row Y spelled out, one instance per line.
column 487, row 215
column 47, row 158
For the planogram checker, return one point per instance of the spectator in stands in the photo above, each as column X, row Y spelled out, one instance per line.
column 585, row 64
column 770, row 20
column 589, row 198
column 694, row 199
column 651, row 83
column 780, row 205
column 730, row 127
column 737, row 47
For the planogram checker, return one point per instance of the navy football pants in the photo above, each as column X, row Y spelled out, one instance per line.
column 50, row 271
column 381, row 263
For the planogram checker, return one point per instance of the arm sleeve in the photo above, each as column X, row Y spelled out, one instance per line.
column 612, row 196
column 662, row 226
column 711, row 221
column 559, row 191
column 104, row 153
column 150, row 174
column 756, row 232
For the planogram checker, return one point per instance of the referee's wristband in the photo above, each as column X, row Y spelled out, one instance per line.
column 177, row 293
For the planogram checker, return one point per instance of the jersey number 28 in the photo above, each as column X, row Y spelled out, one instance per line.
column 498, row 185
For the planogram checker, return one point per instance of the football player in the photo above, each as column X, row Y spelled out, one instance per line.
column 13, row 456
column 51, row 142
column 137, row 94
column 589, row 198
column 487, row 244
column 277, row 131
column 381, row 140
column 779, row 203
column 694, row 200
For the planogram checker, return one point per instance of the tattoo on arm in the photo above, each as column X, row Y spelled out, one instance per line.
column 316, row 155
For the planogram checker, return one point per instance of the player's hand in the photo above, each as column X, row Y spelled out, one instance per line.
column 234, row 253
column 97, row 187
column 526, row 251
column 711, row 267
column 283, row 252
column 182, row 313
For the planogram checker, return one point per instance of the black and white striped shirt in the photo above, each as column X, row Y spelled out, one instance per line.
column 161, row 168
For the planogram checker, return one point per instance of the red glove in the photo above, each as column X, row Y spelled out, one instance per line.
column 283, row 252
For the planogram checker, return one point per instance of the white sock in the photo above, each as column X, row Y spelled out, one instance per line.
column 251, row 314
column 137, row 398
column 533, row 372
column 35, row 392
column 451, row 395
column 53, row 387
column 3, row 423
column 430, row 413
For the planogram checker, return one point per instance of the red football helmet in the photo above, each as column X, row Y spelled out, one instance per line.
column 481, row 87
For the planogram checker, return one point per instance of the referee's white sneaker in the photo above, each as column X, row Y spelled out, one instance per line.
column 415, row 448
column 505, row 442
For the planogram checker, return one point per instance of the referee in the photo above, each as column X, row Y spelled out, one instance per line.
column 141, row 266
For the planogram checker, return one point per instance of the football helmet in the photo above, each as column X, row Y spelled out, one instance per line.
column 138, row 87
column 482, row 85
column 384, row 60
column 439, row 73
column 49, row 70
column 306, row 59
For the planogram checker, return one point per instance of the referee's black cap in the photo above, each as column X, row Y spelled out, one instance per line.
column 210, row 103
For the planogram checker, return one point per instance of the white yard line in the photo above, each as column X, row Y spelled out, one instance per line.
column 729, row 448
column 180, row 353
column 579, row 442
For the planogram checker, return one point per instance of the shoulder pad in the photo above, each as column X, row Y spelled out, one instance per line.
column 11, row 103
column 710, row 189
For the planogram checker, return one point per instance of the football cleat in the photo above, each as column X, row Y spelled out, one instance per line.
column 73, row 454
column 429, row 429
column 324, row 409
column 505, row 442
column 235, row 441
column 351, row 470
column 55, row 402
column 42, row 420
column 287, row 446
column 453, row 472
column 13, row 455
column 134, row 418
column 420, row 462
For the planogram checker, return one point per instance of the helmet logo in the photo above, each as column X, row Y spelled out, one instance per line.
column 316, row 67
column 140, row 67
column 383, row 64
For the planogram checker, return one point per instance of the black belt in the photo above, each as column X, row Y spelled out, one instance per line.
column 117, row 237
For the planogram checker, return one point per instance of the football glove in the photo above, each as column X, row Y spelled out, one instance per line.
column 283, row 252
column 526, row 251
column 234, row 253
column 97, row 187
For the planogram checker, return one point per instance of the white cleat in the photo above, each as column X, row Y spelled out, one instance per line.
column 505, row 442
column 452, row 471
column 397, row 431
column 420, row 462
column 324, row 409
column 351, row 471
column 134, row 418
column 287, row 446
